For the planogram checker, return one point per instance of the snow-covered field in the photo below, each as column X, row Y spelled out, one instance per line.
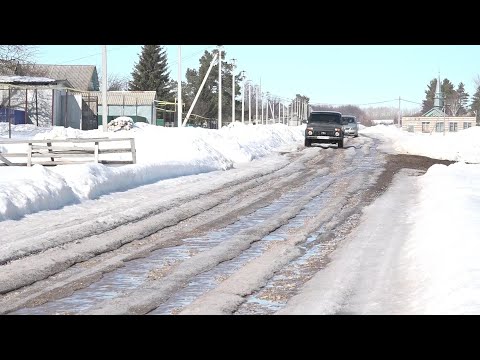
column 438, row 256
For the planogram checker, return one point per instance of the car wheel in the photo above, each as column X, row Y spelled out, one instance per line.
column 308, row 143
column 340, row 144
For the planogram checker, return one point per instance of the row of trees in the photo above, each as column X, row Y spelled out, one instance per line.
column 456, row 98
column 151, row 72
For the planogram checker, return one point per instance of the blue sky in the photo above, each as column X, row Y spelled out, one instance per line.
column 334, row 74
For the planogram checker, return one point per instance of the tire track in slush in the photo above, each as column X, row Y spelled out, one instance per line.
column 124, row 282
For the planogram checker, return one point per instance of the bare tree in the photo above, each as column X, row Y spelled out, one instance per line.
column 17, row 59
column 116, row 82
column 476, row 80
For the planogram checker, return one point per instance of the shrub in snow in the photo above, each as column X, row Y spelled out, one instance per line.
column 121, row 123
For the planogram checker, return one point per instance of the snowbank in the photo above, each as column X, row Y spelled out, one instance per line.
column 162, row 153
column 444, row 246
column 463, row 145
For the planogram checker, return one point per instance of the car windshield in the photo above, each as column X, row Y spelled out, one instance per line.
column 348, row 120
column 324, row 118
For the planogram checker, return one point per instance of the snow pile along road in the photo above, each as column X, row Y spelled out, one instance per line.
column 162, row 153
column 463, row 145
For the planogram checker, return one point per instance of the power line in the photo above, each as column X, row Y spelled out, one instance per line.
column 189, row 56
column 379, row 102
column 85, row 57
column 123, row 46
column 372, row 103
column 411, row 101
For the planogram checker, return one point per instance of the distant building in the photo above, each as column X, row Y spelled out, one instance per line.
column 435, row 119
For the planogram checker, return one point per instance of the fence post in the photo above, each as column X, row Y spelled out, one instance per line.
column 133, row 150
column 29, row 155
column 50, row 150
column 96, row 152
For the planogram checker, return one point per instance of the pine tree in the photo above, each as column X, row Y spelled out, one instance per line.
column 463, row 96
column 151, row 73
column 475, row 105
column 207, row 103
column 448, row 93
column 458, row 103
column 427, row 104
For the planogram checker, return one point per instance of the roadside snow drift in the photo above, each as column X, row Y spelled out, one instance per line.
column 162, row 153
column 463, row 145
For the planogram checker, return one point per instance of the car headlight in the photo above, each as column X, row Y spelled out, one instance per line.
column 310, row 132
column 337, row 134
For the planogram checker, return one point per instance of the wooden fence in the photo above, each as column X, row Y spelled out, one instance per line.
column 67, row 151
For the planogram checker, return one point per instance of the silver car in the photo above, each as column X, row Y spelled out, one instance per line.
column 350, row 125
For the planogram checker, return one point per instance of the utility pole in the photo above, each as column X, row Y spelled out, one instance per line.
column 399, row 112
column 243, row 97
column 444, row 123
column 261, row 97
column 266, row 110
column 256, row 105
column 220, row 86
column 261, row 101
column 274, row 101
column 233, row 89
column 249, row 103
column 179, row 87
column 104, row 89
column 288, row 114
column 296, row 108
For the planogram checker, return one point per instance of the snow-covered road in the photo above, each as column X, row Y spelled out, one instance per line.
column 366, row 274
column 287, row 232
column 242, row 225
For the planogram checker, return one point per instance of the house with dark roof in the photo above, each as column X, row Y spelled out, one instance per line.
column 436, row 120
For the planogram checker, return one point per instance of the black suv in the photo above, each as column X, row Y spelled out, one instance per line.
column 324, row 127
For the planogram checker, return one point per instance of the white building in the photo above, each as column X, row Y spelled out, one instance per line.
column 436, row 120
